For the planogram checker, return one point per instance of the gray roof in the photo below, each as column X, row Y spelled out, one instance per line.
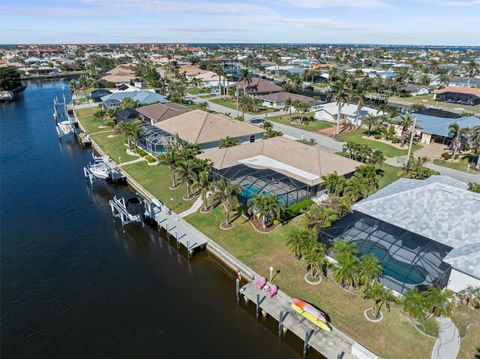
column 439, row 208
column 439, row 125
column 142, row 97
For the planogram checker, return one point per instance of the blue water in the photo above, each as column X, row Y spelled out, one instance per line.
column 249, row 191
column 74, row 286
column 398, row 270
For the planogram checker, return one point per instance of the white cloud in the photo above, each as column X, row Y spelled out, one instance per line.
column 455, row 3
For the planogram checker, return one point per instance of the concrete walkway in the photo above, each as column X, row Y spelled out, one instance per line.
column 323, row 142
column 448, row 341
column 195, row 207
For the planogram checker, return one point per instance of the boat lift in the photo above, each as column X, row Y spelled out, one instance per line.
column 102, row 168
column 65, row 124
column 119, row 210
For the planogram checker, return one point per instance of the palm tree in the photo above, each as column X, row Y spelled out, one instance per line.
column 334, row 183
column 246, row 79
column 474, row 142
column 370, row 121
column 370, row 269
column 472, row 70
column 170, row 159
column 343, row 248
column 100, row 115
column 228, row 142
column 405, row 123
column 130, row 130
column 341, row 91
column 458, row 135
column 185, row 172
column 414, row 303
column 345, row 270
column 380, row 295
column 226, row 193
column 288, row 107
column 299, row 239
column 221, row 74
column 266, row 207
column 314, row 258
column 112, row 113
column 439, row 302
column 202, row 184
column 128, row 102
column 318, row 216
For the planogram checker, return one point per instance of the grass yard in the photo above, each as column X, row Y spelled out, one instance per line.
column 230, row 103
column 391, row 174
column 89, row 123
column 115, row 147
column 197, row 90
column 395, row 337
column 465, row 317
column 389, row 151
column 156, row 180
column 314, row 126
column 461, row 165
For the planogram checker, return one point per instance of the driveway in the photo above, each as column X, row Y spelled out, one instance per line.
column 323, row 142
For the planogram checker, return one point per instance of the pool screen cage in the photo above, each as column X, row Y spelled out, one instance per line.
column 409, row 260
column 152, row 139
column 254, row 181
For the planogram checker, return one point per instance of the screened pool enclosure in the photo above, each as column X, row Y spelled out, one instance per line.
column 255, row 181
column 408, row 259
column 152, row 139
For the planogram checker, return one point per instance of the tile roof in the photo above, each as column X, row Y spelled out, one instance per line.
column 198, row 126
column 162, row 111
column 439, row 208
column 460, row 89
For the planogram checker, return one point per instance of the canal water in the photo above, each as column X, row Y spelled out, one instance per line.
column 74, row 286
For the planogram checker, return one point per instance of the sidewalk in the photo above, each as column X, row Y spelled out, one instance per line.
column 448, row 341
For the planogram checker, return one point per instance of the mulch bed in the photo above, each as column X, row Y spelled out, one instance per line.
column 257, row 224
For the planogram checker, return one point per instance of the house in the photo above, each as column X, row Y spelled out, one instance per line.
column 286, row 168
column 464, row 82
column 96, row 95
column 124, row 73
column 424, row 232
column 127, row 115
column 258, row 86
column 436, row 129
column 458, row 95
column 207, row 129
column 416, row 90
column 208, row 79
column 277, row 100
column 161, row 111
column 285, row 70
column 349, row 113
column 143, row 97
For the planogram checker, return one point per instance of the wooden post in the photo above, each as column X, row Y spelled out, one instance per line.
column 257, row 312
column 237, row 289
column 280, row 323
column 308, row 335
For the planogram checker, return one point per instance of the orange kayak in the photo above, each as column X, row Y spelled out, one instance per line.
column 310, row 309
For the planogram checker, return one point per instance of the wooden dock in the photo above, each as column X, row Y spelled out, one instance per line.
column 331, row 345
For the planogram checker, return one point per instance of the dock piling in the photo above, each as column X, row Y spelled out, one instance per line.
column 237, row 289
column 257, row 311
column 308, row 335
column 281, row 318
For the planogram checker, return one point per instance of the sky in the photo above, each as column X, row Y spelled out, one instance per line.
column 406, row 22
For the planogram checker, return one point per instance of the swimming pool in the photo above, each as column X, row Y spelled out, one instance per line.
column 401, row 271
column 249, row 190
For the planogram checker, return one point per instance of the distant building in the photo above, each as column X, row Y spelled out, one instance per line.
column 144, row 97
column 464, row 81
column 349, row 113
column 458, row 95
column 258, row 86
column 277, row 100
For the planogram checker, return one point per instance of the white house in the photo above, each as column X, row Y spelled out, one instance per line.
column 349, row 113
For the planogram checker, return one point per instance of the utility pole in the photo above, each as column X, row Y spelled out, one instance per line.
column 411, row 140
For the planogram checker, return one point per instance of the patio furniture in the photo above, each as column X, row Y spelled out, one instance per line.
column 261, row 283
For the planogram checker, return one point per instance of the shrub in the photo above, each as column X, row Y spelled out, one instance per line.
column 377, row 136
column 150, row 159
column 141, row 152
column 446, row 155
column 395, row 140
column 295, row 209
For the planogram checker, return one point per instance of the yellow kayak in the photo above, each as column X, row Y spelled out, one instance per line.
column 311, row 318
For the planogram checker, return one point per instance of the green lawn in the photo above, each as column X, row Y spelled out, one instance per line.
column 156, row 180
column 428, row 100
column 461, row 165
column 115, row 146
column 389, row 151
column 394, row 337
column 89, row 123
column 391, row 174
column 197, row 91
column 463, row 317
column 314, row 126
column 230, row 103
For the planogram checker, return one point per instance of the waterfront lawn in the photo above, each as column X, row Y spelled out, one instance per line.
column 231, row 103
column 115, row 146
column 314, row 126
column 156, row 180
column 89, row 123
column 460, row 165
column 394, row 337
column 464, row 318
column 389, row 151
